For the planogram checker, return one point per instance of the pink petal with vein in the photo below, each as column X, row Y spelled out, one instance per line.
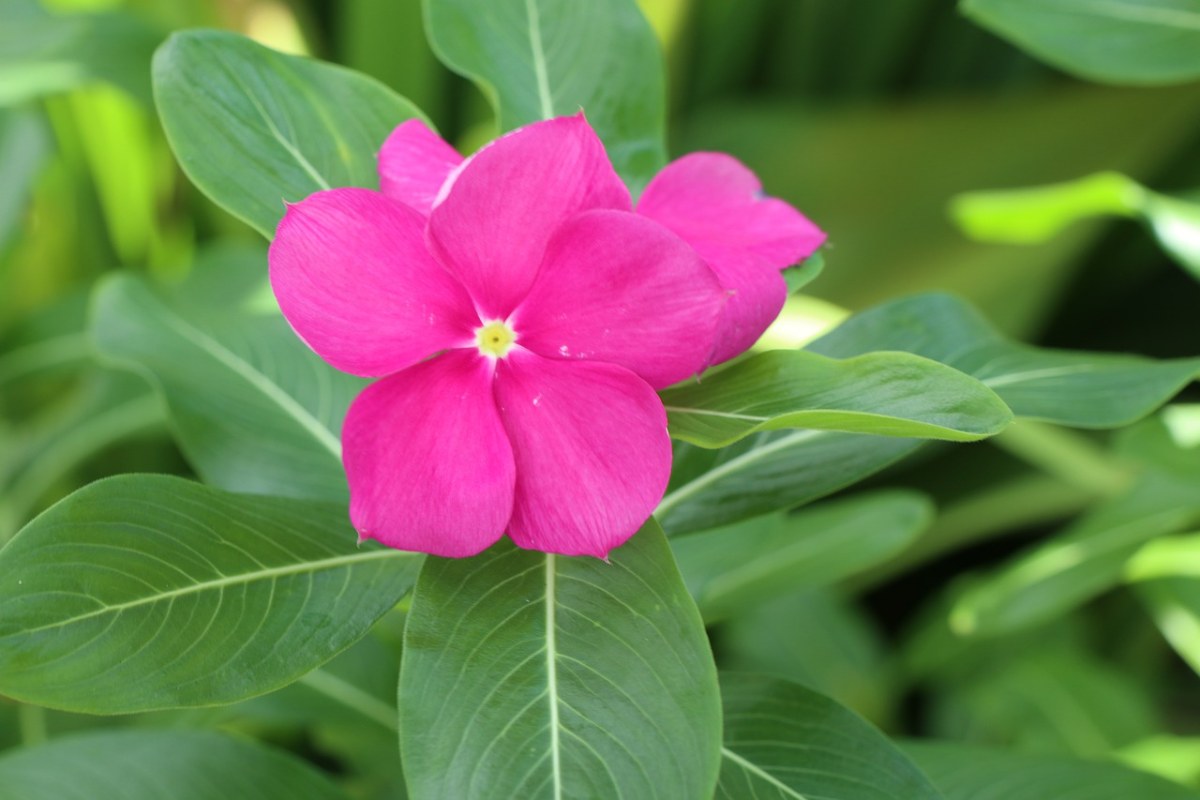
column 414, row 163
column 591, row 448
column 716, row 205
column 508, row 199
column 427, row 458
column 620, row 288
column 353, row 277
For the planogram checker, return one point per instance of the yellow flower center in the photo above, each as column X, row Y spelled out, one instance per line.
column 495, row 339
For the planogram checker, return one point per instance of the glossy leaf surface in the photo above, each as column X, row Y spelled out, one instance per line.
column 141, row 592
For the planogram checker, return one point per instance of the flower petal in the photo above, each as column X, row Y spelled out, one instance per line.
column 713, row 199
column 414, row 163
column 508, row 199
column 353, row 277
column 753, row 305
column 591, row 449
column 429, row 464
column 716, row 205
column 620, row 288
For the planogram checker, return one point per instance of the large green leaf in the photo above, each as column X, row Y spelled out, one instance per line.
column 735, row 568
column 151, row 765
column 142, row 592
column 531, row 675
column 543, row 58
column 253, row 408
column 887, row 394
column 785, row 742
column 254, row 128
column 1077, row 389
column 963, row 772
column 1116, row 41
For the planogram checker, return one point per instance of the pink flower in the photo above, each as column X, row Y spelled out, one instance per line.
column 715, row 204
column 519, row 317
column 710, row 200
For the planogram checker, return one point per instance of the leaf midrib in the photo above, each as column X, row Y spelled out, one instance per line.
column 224, row 581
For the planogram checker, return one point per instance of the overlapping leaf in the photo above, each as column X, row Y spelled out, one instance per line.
column 731, row 569
column 779, row 470
column 785, row 742
column 254, row 128
column 963, row 772
column 886, row 394
column 253, row 408
column 545, row 58
column 539, row 676
column 141, row 592
column 150, row 765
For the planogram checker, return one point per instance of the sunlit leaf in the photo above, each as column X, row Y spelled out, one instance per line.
column 254, row 128
column 253, row 408
column 1116, row 41
column 533, row 675
column 732, row 569
column 887, row 394
column 964, row 772
column 1028, row 216
column 142, row 592
column 150, row 765
column 785, row 742
column 543, row 58
column 1085, row 559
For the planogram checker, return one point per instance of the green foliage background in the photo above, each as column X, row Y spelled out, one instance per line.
column 1038, row 592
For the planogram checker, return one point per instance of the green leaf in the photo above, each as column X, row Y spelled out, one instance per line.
column 784, row 741
column 964, row 772
column 819, row 639
column 24, row 147
column 1076, row 389
column 43, row 53
column 544, row 58
column 254, row 128
column 141, row 592
column 150, row 765
column 1175, row 606
column 783, row 470
column 886, row 394
column 804, row 273
column 768, row 473
column 732, row 569
column 1036, row 214
column 1086, row 559
column 253, row 408
column 1112, row 41
column 531, row 675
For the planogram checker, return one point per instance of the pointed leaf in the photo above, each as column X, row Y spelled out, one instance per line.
column 539, row 676
column 887, row 394
column 254, row 128
column 785, row 742
column 543, row 58
column 1077, row 389
column 141, row 592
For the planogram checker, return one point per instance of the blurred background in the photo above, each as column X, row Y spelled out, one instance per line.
column 875, row 117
